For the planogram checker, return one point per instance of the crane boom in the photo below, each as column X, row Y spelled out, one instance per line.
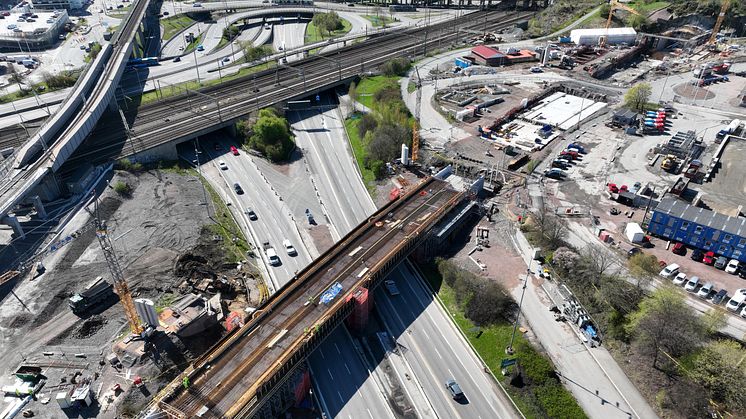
column 614, row 5
column 721, row 16
column 120, row 284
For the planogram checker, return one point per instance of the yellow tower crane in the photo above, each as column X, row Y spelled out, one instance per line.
column 721, row 16
column 120, row 284
column 614, row 5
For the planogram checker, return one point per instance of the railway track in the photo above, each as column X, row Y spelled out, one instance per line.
column 234, row 371
column 237, row 98
column 31, row 173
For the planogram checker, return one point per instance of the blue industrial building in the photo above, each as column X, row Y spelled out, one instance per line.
column 699, row 228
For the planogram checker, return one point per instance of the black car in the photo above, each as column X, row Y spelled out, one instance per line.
column 238, row 188
column 742, row 272
column 633, row 251
column 554, row 174
column 697, row 255
column 719, row 297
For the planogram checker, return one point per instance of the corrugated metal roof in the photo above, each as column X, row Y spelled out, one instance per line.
column 486, row 52
column 602, row 31
column 680, row 209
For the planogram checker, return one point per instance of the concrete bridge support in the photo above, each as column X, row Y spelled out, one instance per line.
column 41, row 212
column 13, row 222
column 49, row 189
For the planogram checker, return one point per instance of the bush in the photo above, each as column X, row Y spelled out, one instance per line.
column 367, row 123
column 60, row 81
column 271, row 136
column 379, row 169
column 127, row 165
column 123, row 188
column 396, row 67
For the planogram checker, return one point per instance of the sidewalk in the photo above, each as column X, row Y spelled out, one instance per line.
column 591, row 374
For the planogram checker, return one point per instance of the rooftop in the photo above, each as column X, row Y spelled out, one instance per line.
column 680, row 209
column 602, row 31
column 486, row 52
column 11, row 22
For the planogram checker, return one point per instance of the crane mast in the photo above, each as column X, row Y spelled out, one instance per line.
column 120, row 284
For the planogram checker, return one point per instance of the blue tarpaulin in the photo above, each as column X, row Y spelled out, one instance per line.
column 332, row 292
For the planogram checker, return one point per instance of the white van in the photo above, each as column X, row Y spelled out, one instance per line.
column 274, row 260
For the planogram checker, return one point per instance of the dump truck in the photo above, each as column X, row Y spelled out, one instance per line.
column 95, row 293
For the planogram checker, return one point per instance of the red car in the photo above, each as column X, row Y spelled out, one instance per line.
column 709, row 258
column 613, row 188
column 623, row 188
column 679, row 249
column 234, row 150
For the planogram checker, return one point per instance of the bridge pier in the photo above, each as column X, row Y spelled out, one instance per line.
column 41, row 212
column 49, row 189
column 12, row 221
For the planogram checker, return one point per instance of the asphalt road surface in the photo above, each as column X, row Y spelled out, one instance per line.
column 437, row 352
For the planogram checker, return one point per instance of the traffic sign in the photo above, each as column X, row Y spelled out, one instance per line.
column 318, row 98
column 508, row 362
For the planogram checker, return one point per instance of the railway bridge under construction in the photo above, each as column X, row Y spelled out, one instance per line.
column 239, row 375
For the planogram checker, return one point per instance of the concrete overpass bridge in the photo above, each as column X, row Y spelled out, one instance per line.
column 241, row 373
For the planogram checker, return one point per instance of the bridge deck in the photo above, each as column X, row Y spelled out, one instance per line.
column 243, row 363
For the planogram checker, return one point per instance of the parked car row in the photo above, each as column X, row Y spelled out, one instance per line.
column 732, row 266
column 564, row 161
column 704, row 291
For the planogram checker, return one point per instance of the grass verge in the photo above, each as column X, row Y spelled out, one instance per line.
column 359, row 152
column 381, row 20
column 176, row 89
column 313, row 34
column 542, row 395
column 368, row 87
column 174, row 25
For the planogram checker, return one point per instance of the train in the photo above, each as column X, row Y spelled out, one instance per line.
column 142, row 62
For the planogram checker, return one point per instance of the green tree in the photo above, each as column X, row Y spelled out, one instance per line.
column 396, row 67
column 637, row 96
column 664, row 323
column 252, row 53
column 327, row 22
column 379, row 169
column 271, row 136
column 637, row 21
column 353, row 95
column 721, row 368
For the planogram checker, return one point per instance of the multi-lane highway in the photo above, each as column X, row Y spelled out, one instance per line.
column 274, row 223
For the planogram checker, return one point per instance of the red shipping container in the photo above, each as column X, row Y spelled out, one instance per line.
column 358, row 319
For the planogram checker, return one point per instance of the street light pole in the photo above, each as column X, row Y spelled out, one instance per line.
column 196, row 66
column 509, row 350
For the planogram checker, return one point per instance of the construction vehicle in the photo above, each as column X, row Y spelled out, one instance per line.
column 669, row 162
column 96, row 292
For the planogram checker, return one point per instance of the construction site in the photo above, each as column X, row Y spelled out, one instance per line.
column 65, row 337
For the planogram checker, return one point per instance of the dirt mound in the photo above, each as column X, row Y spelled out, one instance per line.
column 89, row 327
column 190, row 265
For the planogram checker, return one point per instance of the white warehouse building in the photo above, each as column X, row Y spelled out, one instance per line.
column 614, row 36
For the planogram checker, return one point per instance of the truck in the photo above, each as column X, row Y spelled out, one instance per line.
column 732, row 128
column 693, row 169
column 96, row 292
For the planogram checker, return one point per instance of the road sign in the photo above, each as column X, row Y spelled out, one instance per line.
column 318, row 98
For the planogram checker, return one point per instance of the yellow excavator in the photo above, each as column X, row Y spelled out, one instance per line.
column 614, row 5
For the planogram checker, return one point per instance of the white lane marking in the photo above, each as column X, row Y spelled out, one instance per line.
column 330, row 373
column 348, row 369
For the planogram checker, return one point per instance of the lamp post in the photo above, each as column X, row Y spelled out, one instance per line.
column 509, row 350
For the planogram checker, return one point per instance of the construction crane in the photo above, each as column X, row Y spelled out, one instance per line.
column 120, row 284
column 417, row 110
column 614, row 5
column 721, row 16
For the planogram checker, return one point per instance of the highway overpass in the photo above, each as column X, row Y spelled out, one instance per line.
column 239, row 374
column 61, row 134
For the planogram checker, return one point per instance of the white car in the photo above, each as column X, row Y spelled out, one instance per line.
column 289, row 247
column 272, row 256
column 670, row 271
column 680, row 279
column 222, row 165
column 738, row 298
column 743, row 312
column 691, row 285
column 732, row 267
column 705, row 291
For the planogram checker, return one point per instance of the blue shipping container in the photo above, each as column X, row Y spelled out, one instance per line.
column 460, row 62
